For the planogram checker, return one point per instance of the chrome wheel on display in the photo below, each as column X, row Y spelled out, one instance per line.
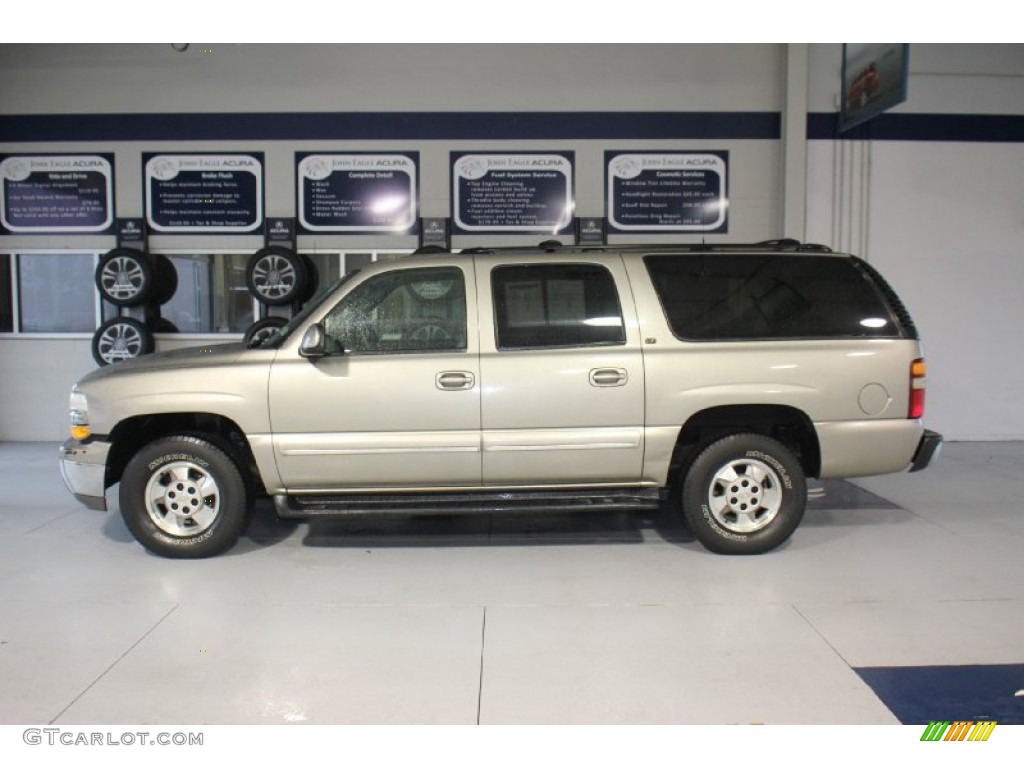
column 124, row 277
column 277, row 276
column 121, row 339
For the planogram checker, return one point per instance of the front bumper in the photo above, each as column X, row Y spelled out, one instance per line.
column 84, row 467
column 927, row 450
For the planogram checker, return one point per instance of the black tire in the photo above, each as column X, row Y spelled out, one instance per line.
column 277, row 276
column 259, row 331
column 121, row 338
column 165, row 279
column 313, row 281
column 744, row 494
column 125, row 277
column 184, row 497
column 162, row 325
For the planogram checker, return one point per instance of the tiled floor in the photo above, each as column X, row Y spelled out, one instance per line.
column 582, row 619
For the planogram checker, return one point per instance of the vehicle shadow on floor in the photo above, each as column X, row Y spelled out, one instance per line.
column 465, row 530
column 831, row 503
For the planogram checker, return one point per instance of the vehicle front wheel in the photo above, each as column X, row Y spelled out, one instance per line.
column 744, row 494
column 184, row 497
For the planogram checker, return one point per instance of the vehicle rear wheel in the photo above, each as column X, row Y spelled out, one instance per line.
column 744, row 494
column 184, row 497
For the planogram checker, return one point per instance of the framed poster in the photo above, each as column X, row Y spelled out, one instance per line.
column 522, row 192
column 358, row 192
column 214, row 193
column 666, row 192
column 43, row 194
column 874, row 80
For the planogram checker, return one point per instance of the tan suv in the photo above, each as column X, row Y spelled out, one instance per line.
column 541, row 379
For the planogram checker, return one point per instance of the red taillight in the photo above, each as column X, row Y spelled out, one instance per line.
column 917, row 378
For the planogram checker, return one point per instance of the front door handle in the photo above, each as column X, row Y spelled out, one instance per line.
column 455, row 380
column 608, row 377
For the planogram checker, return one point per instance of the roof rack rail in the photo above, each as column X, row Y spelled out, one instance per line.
column 425, row 249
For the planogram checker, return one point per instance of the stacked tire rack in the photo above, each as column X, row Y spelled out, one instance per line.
column 137, row 283
column 281, row 280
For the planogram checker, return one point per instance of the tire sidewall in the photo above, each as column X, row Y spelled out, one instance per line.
column 226, row 527
column 699, row 478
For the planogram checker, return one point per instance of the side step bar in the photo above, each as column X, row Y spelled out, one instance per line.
column 298, row 507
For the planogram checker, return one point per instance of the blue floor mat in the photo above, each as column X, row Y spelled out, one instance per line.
column 919, row 695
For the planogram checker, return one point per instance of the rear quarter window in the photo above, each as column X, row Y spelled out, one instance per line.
column 734, row 297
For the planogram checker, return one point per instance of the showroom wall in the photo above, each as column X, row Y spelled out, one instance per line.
column 941, row 218
column 932, row 195
column 433, row 100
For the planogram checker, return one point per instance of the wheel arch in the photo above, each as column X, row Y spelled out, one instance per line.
column 131, row 434
column 790, row 426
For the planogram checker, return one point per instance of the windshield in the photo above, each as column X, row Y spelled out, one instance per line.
column 276, row 339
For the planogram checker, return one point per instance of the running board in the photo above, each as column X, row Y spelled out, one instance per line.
column 297, row 507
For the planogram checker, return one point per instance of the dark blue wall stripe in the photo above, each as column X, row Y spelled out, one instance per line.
column 921, row 127
column 496, row 126
column 391, row 126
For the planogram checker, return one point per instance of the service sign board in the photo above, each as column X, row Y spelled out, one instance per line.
column 204, row 193
column 513, row 192
column 42, row 194
column 665, row 192
column 358, row 192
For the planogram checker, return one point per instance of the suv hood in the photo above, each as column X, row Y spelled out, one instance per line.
column 192, row 357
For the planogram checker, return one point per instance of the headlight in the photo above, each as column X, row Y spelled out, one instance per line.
column 78, row 406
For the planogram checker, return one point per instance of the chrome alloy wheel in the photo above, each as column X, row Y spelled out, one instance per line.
column 273, row 277
column 745, row 495
column 182, row 499
column 120, row 341
column 122, row 278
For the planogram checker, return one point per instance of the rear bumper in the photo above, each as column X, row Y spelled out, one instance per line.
column 927, row 450
column 83, row 467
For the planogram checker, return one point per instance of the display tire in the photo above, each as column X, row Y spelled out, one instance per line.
column 119, row 339
column 184, row 496
column 162, row 325
column 165, row 279
column 277, row 276
column 125, row 277
column 256, row 333
column 313, row 281
column 745, row 493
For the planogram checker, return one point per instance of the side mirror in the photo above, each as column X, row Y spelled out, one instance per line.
column 313, row 344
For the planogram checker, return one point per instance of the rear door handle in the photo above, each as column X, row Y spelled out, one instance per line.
column 455, row 380
column 608, row 377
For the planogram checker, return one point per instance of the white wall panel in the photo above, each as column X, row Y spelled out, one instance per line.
column 944, row 222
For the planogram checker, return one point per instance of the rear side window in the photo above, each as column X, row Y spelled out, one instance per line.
column 556, row 305
column 733, row 297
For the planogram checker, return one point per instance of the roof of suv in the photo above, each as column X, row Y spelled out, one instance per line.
column 785, row 245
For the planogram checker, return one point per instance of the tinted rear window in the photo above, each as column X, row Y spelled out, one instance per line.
column 732, row 297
